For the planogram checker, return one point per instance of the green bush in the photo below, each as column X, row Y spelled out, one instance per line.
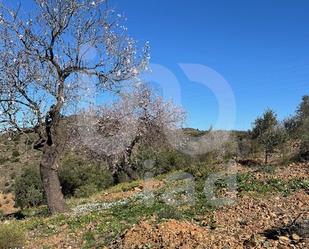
column 85, row 190
column 28, row 188
column 78, row 176
column 209, row 157
column 3, row 159
column 304, row 145
column 164, row 161
column 15, row 153
column 15, row 160
column 122, row 177
column 16, row 137
column 11, row 236
column 200, row 169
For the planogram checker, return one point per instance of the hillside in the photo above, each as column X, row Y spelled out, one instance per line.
column 271, row 211
column 16, row 153
column 267, row 204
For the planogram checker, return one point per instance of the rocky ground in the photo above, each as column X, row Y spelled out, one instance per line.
column 261, row 217
column 275, row 222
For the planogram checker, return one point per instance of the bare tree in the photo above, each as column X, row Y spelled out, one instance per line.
column 44, row 56
column 140, row 116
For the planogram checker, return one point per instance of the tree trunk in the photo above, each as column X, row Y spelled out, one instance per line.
column 53, row 146
column 50, row 180
column 266, row 157
column 122, row 163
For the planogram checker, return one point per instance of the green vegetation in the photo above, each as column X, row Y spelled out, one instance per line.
column 11, row 236
column 15, row 153
column 249, row 183
column 3, row 159
column 29, row 188
column 108, row 224
column 163, row 160
column 81, row 178
column 297, row 127
column 78, row 178
column 268, row 132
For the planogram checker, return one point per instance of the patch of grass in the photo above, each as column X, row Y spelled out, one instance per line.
column 270, row 169
column 45, row 226
column 201, row 170
column 248, row 183
column 99, row 228
column 11, row 236
column 85, row 190
column 296, row 184
column 125, row 186
column 40, row 211
column 89, row 239
column 106, row 225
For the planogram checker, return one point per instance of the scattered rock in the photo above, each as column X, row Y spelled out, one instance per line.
column 295, row 237
column 283, row 240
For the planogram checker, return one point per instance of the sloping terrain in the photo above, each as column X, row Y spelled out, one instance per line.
column 272, row 221
column 16, row 153
column 271, row 211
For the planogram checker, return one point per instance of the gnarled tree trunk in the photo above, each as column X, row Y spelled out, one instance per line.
column 123, row 164
column 50, row 179
column 52, row 147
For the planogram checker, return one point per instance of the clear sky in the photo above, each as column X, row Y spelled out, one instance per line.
column 260, row 47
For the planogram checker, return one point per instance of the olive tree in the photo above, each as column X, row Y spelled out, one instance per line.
column 297, row 127
column 268, row 132
column 44, row 58
column 302, row 121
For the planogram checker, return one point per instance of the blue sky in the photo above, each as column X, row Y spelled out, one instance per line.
column 260, row 47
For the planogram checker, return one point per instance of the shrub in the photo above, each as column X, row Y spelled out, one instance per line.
column 122, row 177
column 201, row 169
column 3, row 159
column 11, row 236
column 29, row 141
column 13, row 175
column 164, row 160
column 78, row 176
column 304, row 145
column 15, row 153
column 16, row 137
column 244, row 147
column 209, row 157
column 28, row 189
column 230, row 148
column 268, row 133
column 15, row 160
column 298, row 127
column 85, row 190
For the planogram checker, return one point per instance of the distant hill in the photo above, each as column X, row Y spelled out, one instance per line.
column 15, row 153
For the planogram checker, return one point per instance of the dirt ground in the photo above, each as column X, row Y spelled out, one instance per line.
column 271, row 222
column 244, row 225
column 7, row 203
